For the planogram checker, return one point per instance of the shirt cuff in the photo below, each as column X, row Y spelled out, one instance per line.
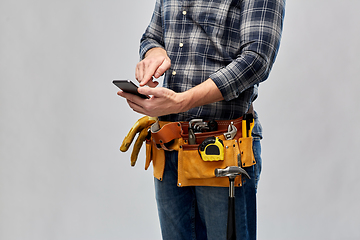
column 224, row 79
column 240, row 75
column 146, row 45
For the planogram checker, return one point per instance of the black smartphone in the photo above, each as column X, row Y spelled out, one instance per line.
column 129, row 87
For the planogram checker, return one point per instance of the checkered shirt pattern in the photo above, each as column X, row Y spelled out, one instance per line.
column 233, row 42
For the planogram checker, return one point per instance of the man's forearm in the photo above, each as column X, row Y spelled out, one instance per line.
column 165, row 101
column 154, row 50
column 202, row 94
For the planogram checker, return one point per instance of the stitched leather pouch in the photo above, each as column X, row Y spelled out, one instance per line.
column 157, row 157
column 247, row 154
column 193, row 171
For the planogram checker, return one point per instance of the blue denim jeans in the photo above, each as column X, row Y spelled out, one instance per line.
column 200, row 213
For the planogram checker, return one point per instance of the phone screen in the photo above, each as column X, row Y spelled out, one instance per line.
column 129, row 87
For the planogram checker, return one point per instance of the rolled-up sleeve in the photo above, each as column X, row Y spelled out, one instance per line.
column 260, row 33
column 153, row 36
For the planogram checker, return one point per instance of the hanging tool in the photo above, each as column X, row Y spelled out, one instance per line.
column 231, row 172
column 243, row 127
column 200, row 126
column 212, row 149
column 210, row 126
column 247, row 125
column 252, row 124
column 192, row 139
column 230, row 134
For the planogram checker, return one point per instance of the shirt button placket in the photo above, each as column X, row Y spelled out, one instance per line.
column 181, row 44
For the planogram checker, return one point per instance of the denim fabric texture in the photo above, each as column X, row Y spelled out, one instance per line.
column 200, row 213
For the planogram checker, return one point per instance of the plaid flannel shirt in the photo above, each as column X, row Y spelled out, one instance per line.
column 233, row 42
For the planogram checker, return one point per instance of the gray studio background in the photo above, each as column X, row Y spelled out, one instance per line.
column 62, row 176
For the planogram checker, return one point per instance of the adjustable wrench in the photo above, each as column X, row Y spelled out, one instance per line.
column 232, row 130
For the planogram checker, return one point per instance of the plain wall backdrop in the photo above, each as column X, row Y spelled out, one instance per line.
column 62, row 176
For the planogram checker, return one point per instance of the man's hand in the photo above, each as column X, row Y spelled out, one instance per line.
column 155, row 64
column 164, row 101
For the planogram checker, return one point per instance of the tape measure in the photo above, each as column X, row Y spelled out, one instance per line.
column 212, row 149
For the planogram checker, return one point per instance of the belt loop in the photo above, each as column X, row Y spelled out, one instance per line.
column 165, row 148
column 165, row 136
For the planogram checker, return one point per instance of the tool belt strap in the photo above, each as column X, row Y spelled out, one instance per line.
column 192, row 169
column 170, row 131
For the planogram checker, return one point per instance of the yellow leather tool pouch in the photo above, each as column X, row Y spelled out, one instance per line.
column 247, row 153
column 167, row 137
column 157, row 157
column 192, row 169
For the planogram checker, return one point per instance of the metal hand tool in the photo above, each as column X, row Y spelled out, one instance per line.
column 231, row 172
column 192, row 139
column 200, row 126
column 230, row 134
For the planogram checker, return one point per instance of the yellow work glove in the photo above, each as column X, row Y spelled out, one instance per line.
column 141, row 126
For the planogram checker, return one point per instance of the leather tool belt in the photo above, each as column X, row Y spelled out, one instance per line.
column 192, row 169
